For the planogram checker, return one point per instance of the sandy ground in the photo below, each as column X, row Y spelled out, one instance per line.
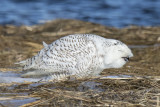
column 141, row 89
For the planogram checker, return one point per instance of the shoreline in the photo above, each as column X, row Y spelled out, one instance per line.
column 126, row 86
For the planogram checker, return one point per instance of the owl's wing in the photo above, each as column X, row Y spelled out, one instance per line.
column 71, row 52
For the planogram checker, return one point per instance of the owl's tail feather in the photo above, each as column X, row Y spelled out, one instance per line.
column 37, row 73
column 32, row 73
column 28, row 63
column 31, row 62
column 21, row 63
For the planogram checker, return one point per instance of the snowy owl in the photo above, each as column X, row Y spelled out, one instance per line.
column 80, row 55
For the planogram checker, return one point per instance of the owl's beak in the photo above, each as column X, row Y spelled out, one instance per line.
column 126, row 58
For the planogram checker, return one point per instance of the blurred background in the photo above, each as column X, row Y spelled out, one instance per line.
column 116, row 13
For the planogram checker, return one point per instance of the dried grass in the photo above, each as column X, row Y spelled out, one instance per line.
column 125, row 93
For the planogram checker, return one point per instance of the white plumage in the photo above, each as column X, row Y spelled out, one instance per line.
column 80, row 55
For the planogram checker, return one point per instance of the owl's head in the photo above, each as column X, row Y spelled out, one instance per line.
column 116, row 54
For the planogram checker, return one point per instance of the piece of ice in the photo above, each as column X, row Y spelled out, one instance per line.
column 116, row 77
column 9, row 77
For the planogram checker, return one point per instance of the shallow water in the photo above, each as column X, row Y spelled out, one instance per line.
column 13, row 77
column 17, row 102
column 9, row 77
column 107, row 12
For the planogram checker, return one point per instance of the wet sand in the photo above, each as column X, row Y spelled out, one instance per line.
column 139, row 87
